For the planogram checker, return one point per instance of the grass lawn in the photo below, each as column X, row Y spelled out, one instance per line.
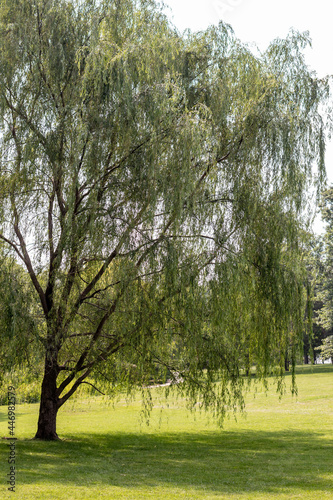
column 283, row 450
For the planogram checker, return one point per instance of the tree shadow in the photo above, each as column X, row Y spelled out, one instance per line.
column 220, row 462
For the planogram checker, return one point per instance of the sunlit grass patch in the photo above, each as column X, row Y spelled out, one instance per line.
column 282, row 449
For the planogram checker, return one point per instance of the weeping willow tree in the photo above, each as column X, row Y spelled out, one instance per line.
column 151, row 184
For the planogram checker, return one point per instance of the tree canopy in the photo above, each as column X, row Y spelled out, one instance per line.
column 151, row 184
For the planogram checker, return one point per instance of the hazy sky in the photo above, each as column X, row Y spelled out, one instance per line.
column 260, row 21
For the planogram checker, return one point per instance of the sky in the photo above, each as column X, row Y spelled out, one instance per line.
column 259, row 22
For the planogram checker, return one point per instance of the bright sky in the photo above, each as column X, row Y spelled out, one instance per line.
column 259, row 22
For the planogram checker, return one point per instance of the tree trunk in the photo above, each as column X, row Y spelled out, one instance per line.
column 48, row 409
column 286, row 363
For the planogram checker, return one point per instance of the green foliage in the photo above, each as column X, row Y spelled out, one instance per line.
column 26, row 380
column 324, row 262
column 18, row 322
column 326, row 349
column 151, row 184
column 316, row 330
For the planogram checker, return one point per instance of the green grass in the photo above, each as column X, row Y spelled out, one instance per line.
column 283, row 450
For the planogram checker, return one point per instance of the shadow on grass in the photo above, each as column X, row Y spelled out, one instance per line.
column 225, row 462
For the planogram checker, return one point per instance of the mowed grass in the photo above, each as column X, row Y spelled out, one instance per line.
column 283, row 449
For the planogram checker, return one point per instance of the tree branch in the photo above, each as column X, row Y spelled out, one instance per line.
column 89, row 383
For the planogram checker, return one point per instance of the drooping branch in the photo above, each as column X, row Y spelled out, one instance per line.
column 111, row 349
column 24, row 253
column 74, row 387
column 20, row 112
column 93, row 386
column 110, row 258
column 31, row 271
column 12, row 244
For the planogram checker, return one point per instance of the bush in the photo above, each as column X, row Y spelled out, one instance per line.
column 27, row 383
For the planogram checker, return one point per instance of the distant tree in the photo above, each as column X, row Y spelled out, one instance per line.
column 326, row 349
column 313, row 331
column 320, row 268
column 150, row 184
column 325, row 262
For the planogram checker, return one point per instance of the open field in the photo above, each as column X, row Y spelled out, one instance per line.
column 283, row 450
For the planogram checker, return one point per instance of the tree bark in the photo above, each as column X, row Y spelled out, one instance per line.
column 286, row 363
column 47, row 421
